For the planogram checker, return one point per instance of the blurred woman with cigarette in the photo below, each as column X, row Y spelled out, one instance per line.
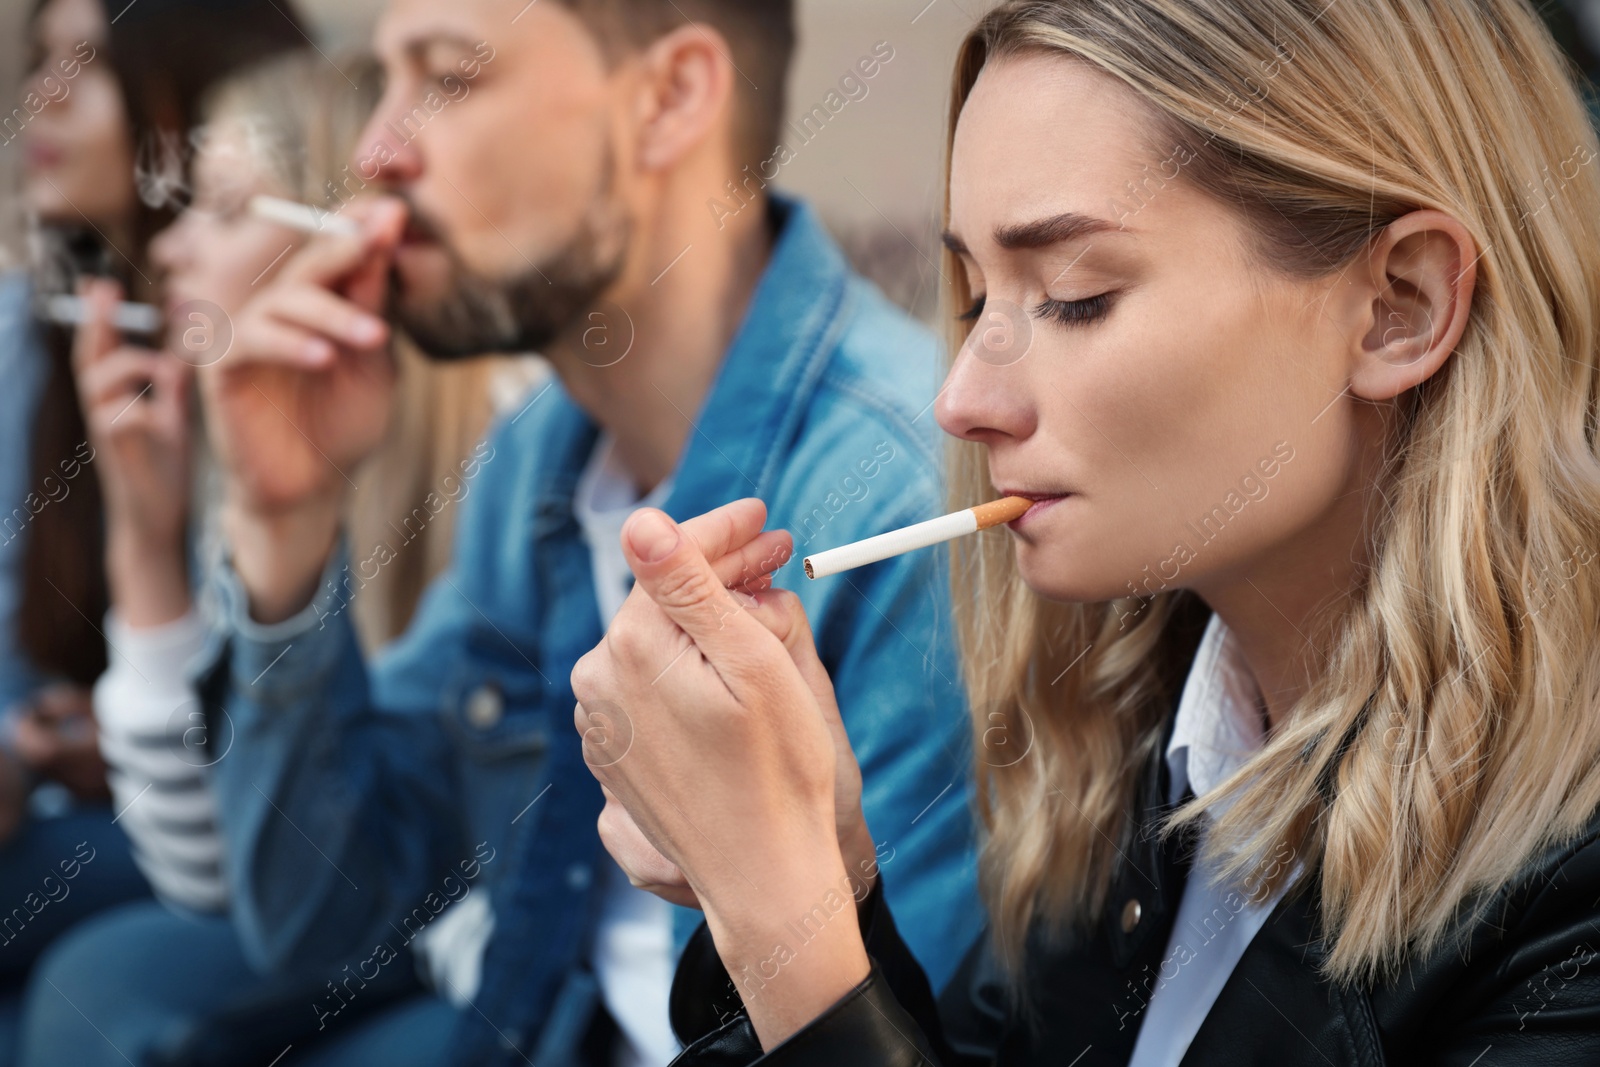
column 1286, row 688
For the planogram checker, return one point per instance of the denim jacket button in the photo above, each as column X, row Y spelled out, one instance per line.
column 578, row 877
column 485, row 707
column 1131, row 913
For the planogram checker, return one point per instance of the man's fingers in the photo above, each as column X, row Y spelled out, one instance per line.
column 380, row 217
column 318, row 311
column 671, row 568
column 331, row 259
column 265, row 339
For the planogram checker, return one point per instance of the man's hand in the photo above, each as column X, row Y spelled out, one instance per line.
column 301, row 399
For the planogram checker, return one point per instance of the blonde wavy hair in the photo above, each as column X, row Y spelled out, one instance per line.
column 302, row 117
column 1453, row 728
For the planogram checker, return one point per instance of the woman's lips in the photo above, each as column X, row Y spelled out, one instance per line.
column 42, row 156
column 1042, row 502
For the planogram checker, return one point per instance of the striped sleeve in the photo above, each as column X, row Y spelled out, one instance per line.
column 154, row 737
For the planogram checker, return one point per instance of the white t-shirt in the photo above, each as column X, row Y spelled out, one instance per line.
column 632, row 953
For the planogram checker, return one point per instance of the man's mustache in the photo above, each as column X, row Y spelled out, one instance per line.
column 420, row 226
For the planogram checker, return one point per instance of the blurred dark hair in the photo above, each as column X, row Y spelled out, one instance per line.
column 165, row 55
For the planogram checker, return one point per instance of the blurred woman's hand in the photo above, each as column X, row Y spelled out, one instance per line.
column 57, row 739
column 706, row 713
column 136, row 407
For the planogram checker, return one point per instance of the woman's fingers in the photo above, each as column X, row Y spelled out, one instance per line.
column 728, row 528
column 781, row 612
column 96, row 336
column 133, row 390
column 640, row 860
column 35, row 742
column 118, row 375
column 748, row 568
column 670, row 566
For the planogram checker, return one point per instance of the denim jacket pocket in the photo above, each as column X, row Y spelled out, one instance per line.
column 493, row 711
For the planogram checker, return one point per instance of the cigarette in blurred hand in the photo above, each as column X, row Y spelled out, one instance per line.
column 68, row 310
column 920, row 535
column 302, row 217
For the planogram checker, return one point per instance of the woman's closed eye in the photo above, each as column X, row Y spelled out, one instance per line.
column 1066, row 312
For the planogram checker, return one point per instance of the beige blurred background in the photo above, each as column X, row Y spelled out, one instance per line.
column 873, row 171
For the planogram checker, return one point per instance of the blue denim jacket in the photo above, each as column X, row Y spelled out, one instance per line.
column 354, row 798
column 22, row 368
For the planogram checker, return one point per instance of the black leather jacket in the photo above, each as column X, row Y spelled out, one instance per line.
column 1523, row 988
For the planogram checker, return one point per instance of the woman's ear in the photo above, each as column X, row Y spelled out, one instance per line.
column 685, row 94
column 1421, row 273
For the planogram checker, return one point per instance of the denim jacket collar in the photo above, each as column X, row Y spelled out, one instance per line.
column 761, row 390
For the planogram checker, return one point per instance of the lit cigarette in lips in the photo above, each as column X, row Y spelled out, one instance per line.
column 921, row 535
column 302, row 217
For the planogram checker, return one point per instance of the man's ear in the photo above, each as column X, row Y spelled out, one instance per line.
column 684, row 94
column 1421, row 272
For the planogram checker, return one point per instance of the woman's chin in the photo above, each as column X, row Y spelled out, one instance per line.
column 46, row 204
column 1053, row 577
column 1047, row 573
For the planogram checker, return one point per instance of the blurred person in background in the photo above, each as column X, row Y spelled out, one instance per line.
column 553, row 166
column 103, row 94
column 282, row 129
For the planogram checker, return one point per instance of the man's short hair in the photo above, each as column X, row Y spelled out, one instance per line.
column 761, row 34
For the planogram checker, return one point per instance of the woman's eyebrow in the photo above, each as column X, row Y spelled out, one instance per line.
column 1041, row 233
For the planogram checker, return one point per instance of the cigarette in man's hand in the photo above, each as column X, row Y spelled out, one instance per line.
column 302, row 217
column 66, row 310
column 921, row 535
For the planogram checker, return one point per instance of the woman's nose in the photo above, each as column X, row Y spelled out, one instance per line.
column 988, row 392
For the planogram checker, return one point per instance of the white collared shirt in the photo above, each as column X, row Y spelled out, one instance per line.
column 632, row 953
column 1218, row 726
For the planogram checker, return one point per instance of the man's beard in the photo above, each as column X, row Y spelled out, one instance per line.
column 479, row 315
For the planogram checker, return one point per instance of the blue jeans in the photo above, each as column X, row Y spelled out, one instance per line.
column 39, row 902
column 32, row 865
column 128, row 982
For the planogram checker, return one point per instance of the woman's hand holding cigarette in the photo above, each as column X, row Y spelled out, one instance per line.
column 707, row 714
column 135, row 405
